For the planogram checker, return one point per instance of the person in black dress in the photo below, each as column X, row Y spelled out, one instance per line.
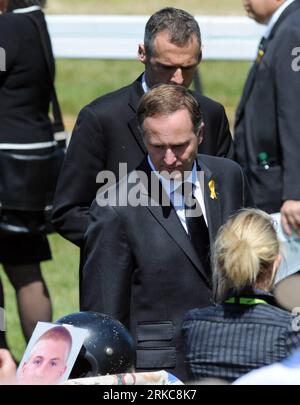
column 25, row 128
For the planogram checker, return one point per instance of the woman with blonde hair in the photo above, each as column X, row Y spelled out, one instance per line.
column 245, row 329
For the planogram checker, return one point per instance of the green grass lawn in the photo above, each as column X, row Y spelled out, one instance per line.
column 81, row 81
column 224, row 81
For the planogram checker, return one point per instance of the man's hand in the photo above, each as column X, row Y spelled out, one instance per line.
column 290, row 216
column 7, row 368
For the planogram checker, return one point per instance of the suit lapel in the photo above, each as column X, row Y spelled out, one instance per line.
column 246, row 92
column 136, row 93
column 250, row 80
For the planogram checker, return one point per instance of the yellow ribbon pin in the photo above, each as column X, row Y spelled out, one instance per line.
column 260, row 54
column 211, row 185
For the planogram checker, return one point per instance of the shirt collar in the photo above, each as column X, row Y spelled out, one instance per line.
column 26, row 9
column 192, row 178
column 145, row 86
column 273, row 20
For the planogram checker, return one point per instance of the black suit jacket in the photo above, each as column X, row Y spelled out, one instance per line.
column 107, row 133
column 142, row 269
column 25, row 86
column 268, row 118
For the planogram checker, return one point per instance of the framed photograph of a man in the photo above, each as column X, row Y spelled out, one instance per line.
column 50, row 354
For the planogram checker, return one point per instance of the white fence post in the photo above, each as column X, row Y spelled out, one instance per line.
column 117, row 37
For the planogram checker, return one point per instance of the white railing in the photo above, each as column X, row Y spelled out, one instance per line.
column 117, row 37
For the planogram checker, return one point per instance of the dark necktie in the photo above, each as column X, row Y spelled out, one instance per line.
column 198, row 231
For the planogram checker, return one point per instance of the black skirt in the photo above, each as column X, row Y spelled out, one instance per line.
column 24, row 249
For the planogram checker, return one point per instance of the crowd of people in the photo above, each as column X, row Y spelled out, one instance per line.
column 181, row 248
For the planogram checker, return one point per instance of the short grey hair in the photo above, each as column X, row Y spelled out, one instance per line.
column 166, row 99
column 180, row 25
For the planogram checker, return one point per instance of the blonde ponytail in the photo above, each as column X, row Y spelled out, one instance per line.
column 245, row 249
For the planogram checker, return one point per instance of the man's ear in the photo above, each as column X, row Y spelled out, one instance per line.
column 142, row 53
column 275, row 268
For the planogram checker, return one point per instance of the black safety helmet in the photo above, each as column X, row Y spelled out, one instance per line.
column 107, row 349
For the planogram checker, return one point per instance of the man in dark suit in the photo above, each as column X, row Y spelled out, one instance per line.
column 147, row 248
column 106, row 133
column 267, row 134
